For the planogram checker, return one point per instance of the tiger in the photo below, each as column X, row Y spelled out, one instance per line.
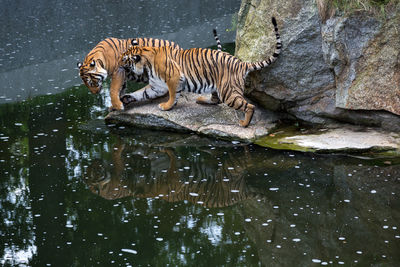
column 214, row 187
column 102, row 62
column 195, row 70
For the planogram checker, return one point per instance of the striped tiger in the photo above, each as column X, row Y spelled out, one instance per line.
column 210, row 187
column 195, row 70
column 102, row 62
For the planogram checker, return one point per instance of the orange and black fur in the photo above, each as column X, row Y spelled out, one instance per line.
column 195, row 70
column 102, row 62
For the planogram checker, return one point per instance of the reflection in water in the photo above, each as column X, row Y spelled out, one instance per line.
column 162, row 198
column 292, row 208
column 205, row 177
column 15, row 212
column 214, row 185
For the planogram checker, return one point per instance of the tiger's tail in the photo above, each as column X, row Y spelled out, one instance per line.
column 262, row 64
column 219, row 46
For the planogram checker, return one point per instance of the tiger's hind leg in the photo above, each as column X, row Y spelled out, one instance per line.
column 237, row 101
column 248, row 111
column 213, row 100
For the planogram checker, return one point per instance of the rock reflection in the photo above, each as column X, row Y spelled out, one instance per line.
column 157, row 173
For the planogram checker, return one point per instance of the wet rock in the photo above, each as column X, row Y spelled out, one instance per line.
column 347, row 139
column 187, row 116
column 221, row 122
column 332, row 67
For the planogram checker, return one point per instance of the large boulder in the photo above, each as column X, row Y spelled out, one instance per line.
column 332, row 68
column 301, row 72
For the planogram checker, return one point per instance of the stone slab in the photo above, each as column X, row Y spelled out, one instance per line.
column 347, row 139
column 221, row 122
column 218, row 121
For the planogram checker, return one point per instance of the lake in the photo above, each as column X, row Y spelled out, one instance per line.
column 75, row 192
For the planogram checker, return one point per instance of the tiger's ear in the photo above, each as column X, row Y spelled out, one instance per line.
column 136, row 58
column 79, row 64
column 134, row 42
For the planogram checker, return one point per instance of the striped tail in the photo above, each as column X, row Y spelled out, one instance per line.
column 219, row 46
column 271, row 59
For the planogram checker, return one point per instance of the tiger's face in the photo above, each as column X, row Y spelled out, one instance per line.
column 93, row 74
column 133, row 61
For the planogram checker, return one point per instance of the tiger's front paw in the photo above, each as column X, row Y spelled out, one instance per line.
column 126, row 100
column 116, row 107
column 165, row 106
column 243, row 123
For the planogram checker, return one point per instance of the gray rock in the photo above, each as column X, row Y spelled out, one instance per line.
column 221, row 122
column 212, row 120
column 365, row 56
column 346, row 139
column 332, row 69
column 300, row 73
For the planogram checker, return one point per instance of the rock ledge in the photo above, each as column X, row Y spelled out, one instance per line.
column 221, row 122
column 187, row 116
column 347, row 139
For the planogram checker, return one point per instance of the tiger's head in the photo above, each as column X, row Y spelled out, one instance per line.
column 135, row 58
column 93, row 73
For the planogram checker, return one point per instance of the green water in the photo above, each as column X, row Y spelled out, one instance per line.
column 75, row 192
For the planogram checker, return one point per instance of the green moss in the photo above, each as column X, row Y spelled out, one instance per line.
column 392, row 155
column 376, row 6
column 275, row 139
column 234, row 23
column 277, row 143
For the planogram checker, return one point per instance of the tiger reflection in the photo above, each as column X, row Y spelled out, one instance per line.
column 203, row 182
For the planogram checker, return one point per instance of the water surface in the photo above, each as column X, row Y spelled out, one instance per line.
column 43, row 40
column 74, row 192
